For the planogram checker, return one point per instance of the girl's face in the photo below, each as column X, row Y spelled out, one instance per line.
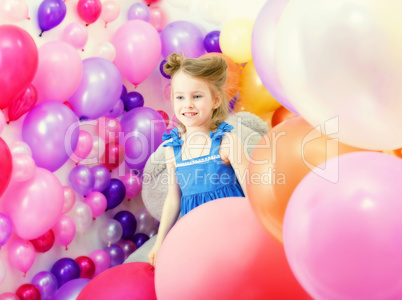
column 192, row 100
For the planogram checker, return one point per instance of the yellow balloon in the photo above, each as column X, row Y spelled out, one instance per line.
column 235, row 39
column 254, row 97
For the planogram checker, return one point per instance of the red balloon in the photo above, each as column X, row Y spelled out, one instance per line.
column 6, row 165
column 114, row 155
column 87, row 266
column 89, row 10
column 126, row 281
column 23, row 104
column 28, row 292
column 44, row 243
column 18, row 63
column 280, row 115
column 149, row 2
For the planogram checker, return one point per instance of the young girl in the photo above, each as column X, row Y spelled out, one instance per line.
column 203, row 157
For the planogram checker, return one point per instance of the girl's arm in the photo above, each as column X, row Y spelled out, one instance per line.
column 236, row 154
column 171, row 207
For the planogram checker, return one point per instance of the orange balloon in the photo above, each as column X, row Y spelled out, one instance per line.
column 287, row 153
column 280, row 115
column 254, row 97
column 233, row 74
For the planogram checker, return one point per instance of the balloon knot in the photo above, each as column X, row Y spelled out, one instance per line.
column 82, row 49
column 86, row 24
column 66, row 248
column 40, row 34
column 93, row 218
column 24, row 275
column 28, row 18
column 105, row 24
column 76, row 163
column 135, row 86
column 8, row 122
column 128, row 199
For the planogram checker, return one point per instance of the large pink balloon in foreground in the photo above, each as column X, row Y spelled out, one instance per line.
column 343, row 240
column 138, row 49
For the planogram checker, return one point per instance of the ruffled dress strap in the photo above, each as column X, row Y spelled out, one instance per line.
column 217, row 136
column 175, row 143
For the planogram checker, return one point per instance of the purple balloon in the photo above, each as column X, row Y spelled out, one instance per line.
column 114, row 193
column 51, row 130
column 102, row 178
column 182, row 36
column 99, row 90
column 46, row 283
column 116, row 254
column 5, row 228
column 50, row 14
column 65, row 269
column 211, row 41
column 163, row 62
column 143, row 128
column 133, row 100
column 116, row 111
column 263, row 49
column 71, row 289
column 128, row 247
column 81, row 179
column 128, row 222
column 139, row 11
column 139, row 239
column 123, row 92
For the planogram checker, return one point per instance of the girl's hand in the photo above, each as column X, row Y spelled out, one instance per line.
column 153, row 254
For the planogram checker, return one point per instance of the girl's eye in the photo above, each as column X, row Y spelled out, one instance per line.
column 197, row 96
column 179, row 97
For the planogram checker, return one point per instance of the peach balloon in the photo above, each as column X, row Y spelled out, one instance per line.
column 233, row 74
column 282, row 158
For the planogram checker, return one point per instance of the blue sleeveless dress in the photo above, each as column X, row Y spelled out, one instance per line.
column 203, row 178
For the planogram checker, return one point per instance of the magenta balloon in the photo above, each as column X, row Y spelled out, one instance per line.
column 143, row 128
column 99, row 90
column 101, row 260
column 263, row 49
column 5, row 228
column 51, row 129
column 26, row 204
column 89, row 10
column 138, row 48
column 182, row 36
column 46, row 283
column 18, row 63
column 71, row 289
column 102, row 178
column 59, row 71
column 343, row 228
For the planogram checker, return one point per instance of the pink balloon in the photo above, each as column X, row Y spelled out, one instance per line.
column 97, row 202
column 82, row 216
column 89, row 10
column 18, row 64
column 35, row 205
column 23, row 104
column 230, row 255
column 76, row 35
column 110, row 11
column 106, row 50
column 69, row 199
column 23, row 167
column 64, row 231
column 20, row 147
column 109, row 129
column 157, row 17
column 84, row 146
column 133, row 185
column 59, row 72
column 9, row 296
column 14, row 10
column 21, row 254
column 343, row 228
column 101, row 260
column 138, row 48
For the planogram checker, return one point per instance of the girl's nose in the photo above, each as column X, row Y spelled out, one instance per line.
column 189, row 103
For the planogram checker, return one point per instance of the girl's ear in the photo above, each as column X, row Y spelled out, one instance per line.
column 218, row 100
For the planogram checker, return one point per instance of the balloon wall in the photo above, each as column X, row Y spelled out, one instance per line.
column 70, row 160
column 84, row 102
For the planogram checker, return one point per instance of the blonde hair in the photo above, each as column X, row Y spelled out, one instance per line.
column 210, row 69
